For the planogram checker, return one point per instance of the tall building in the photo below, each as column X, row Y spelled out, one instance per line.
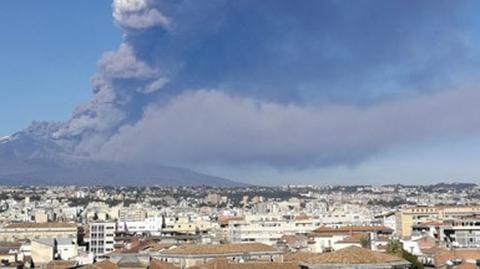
column 102, row 237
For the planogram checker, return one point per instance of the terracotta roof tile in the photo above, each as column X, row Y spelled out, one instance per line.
column 101, row 265
column 224, row 264
column 60, row 264
column 41, row 225
column 226, row 248
column 156, row 264
column 354, row 255
column 298, row 256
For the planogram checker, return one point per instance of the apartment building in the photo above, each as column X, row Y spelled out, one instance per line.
column 266, row 228
column 151, row 225
column 328, row 238
column 132, row 215
column 101, row 237
column 186, row 225
column 138, row 221
column 409, row 217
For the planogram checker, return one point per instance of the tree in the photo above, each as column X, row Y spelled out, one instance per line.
column 395, row 247
column 365, row 242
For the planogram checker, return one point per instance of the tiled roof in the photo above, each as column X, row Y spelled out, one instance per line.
column 131, row 261
column 226, row 220
column 10, row 245
column 355, row 255
column 292, row 239
column 298, row 256
column 156, row 264
column 41, row 225
column 442, row 257
column 59, row 264
column 101, row 265
column 225, row 248
column 224, row 264
column 140, row 245
column 466, row 266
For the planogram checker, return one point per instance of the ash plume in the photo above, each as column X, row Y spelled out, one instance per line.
column 273, row 83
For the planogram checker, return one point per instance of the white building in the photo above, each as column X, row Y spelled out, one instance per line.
column 267, row 229
column 102, row 237
column 152, row 225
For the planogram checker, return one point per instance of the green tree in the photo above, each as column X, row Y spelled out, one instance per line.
column 394, row 247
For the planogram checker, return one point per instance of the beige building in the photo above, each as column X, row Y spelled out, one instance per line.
column 45, row 250
column 187, row 225
column 131, row 214
column 408, row 217
column 40, row 216
column 28, row 231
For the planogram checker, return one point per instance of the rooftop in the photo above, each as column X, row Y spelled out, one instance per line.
column 355, row 255
column 156, row 264
column 224, row 264
column 40, row 225
column 221, row 249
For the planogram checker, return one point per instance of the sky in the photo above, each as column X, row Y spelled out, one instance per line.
column 48, row 54
column 277, row 92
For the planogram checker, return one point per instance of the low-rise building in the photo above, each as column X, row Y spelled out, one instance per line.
column 28, row 231
column 45, row 250
column 190, row 255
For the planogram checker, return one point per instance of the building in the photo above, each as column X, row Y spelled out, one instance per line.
column 354, row 258
column 457, row 259
column 45, row 250
column 101, row 237
column 268, row 229
column 328, row 238
column 191, row 255
column 151, row 225
column 186, row 225
column 131, row 215
column 40, row 216
column 409, row 217
column 28, row 231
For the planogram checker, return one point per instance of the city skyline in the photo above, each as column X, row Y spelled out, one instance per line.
column 266, row 93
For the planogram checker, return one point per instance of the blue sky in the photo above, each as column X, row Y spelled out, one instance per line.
column 48, row 54
column 274, row 91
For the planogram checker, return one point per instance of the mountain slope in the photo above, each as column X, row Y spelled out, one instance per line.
column 29, row 159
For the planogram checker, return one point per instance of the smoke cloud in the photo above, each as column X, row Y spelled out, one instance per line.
column 212, row 127
column 276, row 83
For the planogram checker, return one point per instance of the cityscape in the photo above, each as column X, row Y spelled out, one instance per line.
column 291, row 226
column 239, row 134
